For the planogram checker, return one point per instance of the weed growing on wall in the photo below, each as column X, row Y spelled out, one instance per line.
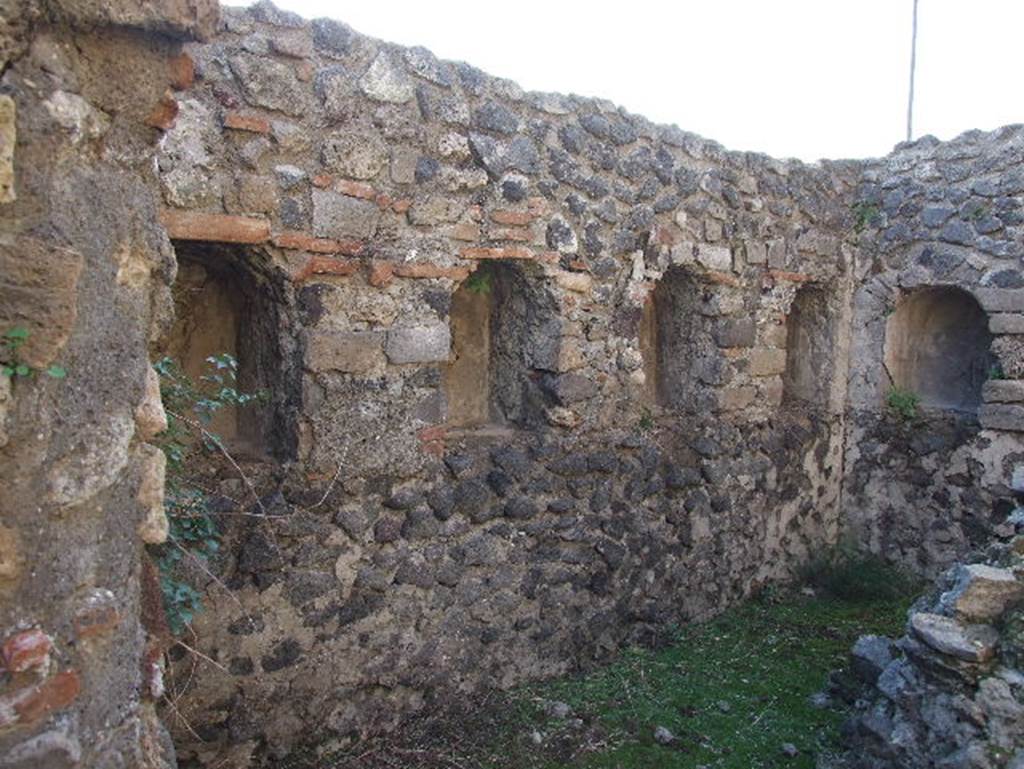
column 193, row 533
column 903, row 403
column 13, row 366
column 865, row 215
column 480, row 282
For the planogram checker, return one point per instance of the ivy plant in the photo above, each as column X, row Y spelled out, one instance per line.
column 193, row 532
column 13, row 366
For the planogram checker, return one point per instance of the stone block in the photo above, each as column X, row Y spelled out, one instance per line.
column 974, row 643
column 341, row 216
column 386, row 81
column 154, row 526
column 755, row 252
column 773, row 390
column 428, row 343
column 739, row 332
column 10, row 553
column 269, row 83
column 777, row 254
column 1000, row 299
column 150, row 417
column 8, row 137
column 1006, row 323
column 181, row 18
column 355, row 154
column 870, row 656
column 982, row 593
column 1002, row 416
column 353, row 352
column 569, row 388
column 766, row 362
column 1003, row 391
column 38, row 291
column 715, row 257
column 736, row 398
column 403, row 165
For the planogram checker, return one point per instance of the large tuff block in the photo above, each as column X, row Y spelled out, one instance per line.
column 419, row 344
column 1002, row 416
column 353, row 352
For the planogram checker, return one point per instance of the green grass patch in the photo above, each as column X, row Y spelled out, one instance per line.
column 732, row 691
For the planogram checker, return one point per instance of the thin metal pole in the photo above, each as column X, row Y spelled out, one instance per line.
column 913, row 65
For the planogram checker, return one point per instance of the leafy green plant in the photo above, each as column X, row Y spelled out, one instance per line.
column 864, row 215
column 996, row 372
column 978, row 211
column 904, row 403
column 480, row 282
column 193, row 532
column 646, row 420
column 850, row 574
column 13, row 366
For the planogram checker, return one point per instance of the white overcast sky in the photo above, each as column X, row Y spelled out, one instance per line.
column 793, row 78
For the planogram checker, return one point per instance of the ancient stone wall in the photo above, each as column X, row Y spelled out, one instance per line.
column 85, row 273
column 543, row 355
column 540, row 376
column 938, row 310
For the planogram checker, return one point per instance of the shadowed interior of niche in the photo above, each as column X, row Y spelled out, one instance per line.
column 810, row 349
column 682, row 363
column 937, row 345
column 504, row 337
column 226, row 300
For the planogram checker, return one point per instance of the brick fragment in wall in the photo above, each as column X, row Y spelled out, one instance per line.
column 216, row 228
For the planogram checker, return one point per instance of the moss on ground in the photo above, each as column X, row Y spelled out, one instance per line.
column 733, row 691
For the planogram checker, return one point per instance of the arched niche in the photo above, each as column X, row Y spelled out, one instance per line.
column 937, row 345
column 505, row 338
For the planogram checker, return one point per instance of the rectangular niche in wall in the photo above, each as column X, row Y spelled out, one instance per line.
column 226, row 300
column 937, row 345
column 810, row 349
column 683, row 365
column 504, row 327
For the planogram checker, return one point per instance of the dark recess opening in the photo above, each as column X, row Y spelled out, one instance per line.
column 682, row 362
column 937, row 344
column 228, row 299
column 810, row 349
column 505, row 332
